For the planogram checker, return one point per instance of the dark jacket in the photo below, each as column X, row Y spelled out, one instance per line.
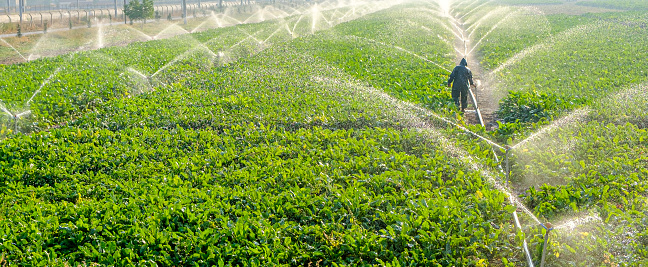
column 462, row 77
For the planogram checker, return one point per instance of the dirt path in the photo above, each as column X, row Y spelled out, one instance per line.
column 484, row 93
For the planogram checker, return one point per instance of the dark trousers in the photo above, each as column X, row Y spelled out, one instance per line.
column 463, row 94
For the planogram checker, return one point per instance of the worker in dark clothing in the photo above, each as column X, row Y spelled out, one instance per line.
column 462, row 78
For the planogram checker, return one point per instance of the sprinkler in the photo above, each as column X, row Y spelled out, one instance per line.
column 15, row 118
column 547, row 226
column 508, row 164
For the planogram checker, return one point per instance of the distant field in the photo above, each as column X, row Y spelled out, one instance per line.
column 572, row 8
column 528, row 2
column 616, row 4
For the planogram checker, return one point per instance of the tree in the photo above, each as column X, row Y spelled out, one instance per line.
column 139, row 11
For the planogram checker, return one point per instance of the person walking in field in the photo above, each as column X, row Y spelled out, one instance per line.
column 460, row 79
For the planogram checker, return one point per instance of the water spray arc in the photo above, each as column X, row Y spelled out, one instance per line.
column 14, row 117
column 14, row 49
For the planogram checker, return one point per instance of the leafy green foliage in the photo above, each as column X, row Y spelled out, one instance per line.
column 263, row 195
column 530, row 106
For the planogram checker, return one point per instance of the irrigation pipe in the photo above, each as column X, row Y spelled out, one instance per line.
column 474, row 100
column 507, row 174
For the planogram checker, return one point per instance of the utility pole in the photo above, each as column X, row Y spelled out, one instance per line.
column 20, row 10
column 125, row 12
column 8, row 6
column 115, row 9
column 184, row 11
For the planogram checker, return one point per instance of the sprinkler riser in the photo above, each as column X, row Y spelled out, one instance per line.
column 508, row 165
column 544, row 248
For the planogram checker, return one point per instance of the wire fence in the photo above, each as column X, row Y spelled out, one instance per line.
column 12, row 24
column 9, row 7
column 41, row 9
column 56, row 13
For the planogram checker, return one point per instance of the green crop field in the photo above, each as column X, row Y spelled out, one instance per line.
column 325, row 135
column 617, row 4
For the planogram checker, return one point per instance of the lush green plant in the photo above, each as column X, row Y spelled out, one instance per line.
column 532, row 106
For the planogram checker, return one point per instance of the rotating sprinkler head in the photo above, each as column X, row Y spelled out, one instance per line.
column 548, row 226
